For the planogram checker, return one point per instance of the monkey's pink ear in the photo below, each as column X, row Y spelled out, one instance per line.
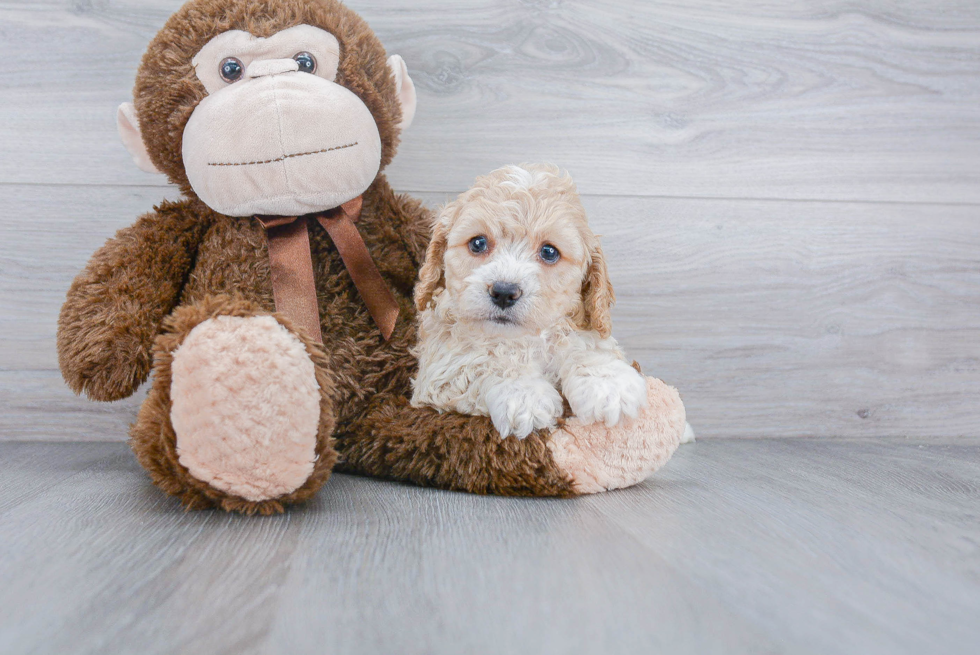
column 129, row 132
column 405, row 88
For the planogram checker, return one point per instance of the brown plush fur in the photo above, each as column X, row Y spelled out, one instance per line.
column 152, row 436
column 184, row 263
column 116, row 305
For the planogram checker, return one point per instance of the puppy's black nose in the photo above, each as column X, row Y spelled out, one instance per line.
column 504, row 294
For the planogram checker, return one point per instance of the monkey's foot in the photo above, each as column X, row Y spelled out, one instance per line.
column 239, row 414
column 246, row 407
column 598, row 458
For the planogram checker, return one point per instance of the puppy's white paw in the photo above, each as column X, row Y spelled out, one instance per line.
column 518, row 407
column 606, row 393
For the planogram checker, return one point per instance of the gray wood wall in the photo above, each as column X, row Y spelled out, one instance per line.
column 790, row 195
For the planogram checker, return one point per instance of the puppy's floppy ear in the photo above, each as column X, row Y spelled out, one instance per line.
column 431, row 274
column 597, row 293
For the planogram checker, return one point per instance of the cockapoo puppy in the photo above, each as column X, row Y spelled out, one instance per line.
column 514, row 304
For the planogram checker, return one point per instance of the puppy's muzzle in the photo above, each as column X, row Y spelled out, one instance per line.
column 504, row 294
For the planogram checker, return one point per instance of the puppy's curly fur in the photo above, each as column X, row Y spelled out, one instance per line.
column 515, row 301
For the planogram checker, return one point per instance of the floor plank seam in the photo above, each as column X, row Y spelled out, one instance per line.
column 584, row 194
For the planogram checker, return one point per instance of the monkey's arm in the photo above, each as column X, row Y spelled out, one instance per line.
column 450, row 451
column 115, row 306
column 465, row 453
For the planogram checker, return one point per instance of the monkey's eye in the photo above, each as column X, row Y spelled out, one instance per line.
column 478, row 245
column 549, row 253
column 306, row 61
column 231, row 70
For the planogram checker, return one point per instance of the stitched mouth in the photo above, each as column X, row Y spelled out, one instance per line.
column 284, row 157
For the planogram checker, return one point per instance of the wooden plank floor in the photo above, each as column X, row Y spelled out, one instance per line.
column 737, row 546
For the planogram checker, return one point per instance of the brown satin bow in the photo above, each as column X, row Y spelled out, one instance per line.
column 293, row 285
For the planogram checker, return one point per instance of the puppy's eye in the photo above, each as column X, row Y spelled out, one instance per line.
column 479, row 245
column 549, row 253
column 231, row 70
column 306, row 61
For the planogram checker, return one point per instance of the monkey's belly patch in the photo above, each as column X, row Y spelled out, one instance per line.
column 246, row 407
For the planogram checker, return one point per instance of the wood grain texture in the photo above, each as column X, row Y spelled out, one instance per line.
column 802, row 319
column 774, row 546
column 877, row 100
column 773, row 318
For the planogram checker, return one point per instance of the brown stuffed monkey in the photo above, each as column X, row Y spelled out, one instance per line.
column 276, row 119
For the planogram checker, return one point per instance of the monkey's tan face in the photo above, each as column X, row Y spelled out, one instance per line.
column 276, row 134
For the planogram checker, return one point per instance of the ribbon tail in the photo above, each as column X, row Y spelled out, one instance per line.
column 377, row 296
column 293, row 285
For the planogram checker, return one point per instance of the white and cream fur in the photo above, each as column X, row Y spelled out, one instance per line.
column 514, row 364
